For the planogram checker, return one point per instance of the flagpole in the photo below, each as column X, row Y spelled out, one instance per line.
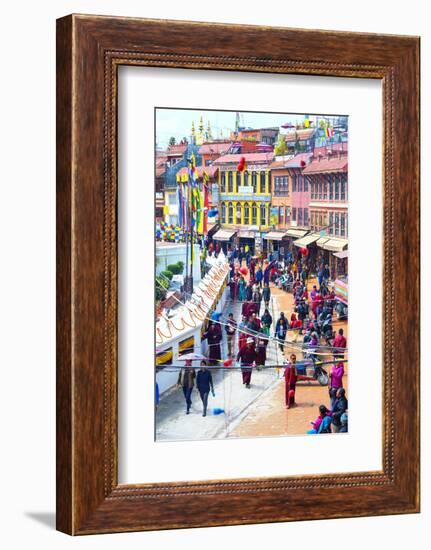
column 191, row 242
column 186, row 282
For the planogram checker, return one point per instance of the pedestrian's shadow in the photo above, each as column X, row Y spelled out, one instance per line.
column 45, row 518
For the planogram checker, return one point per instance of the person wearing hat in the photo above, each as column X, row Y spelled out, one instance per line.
column 247, row 357
column 186, row 381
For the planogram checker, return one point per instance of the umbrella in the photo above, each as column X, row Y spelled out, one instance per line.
column 192, row 357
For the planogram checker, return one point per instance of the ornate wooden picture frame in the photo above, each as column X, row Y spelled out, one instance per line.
column 89, row 51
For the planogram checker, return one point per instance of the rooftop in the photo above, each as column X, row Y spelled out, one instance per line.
column 264, row 158
column 177, row 149
column 300, row 134
column 333, row 163
column 298, row 161
column 215, row 147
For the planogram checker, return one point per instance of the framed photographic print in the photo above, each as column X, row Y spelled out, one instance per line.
column 237, row 274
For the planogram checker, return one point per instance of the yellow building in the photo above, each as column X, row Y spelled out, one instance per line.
column 245, row 196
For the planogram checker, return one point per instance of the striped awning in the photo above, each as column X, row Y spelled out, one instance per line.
column 224, row 234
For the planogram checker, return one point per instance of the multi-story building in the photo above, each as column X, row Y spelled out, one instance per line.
column 266, row 136
column 281, row 200
column 244, row 198
column 300, row 190
column 327, row 178
column 300, row 140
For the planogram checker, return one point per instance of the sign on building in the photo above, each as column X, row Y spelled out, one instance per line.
column 245, row 190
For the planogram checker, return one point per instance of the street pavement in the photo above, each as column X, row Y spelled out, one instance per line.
column 257, row 411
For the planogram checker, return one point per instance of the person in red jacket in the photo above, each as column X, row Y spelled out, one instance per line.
column 290, row 378
column 340, row 342
column 247, row 357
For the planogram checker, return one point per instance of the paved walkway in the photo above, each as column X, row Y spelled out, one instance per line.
column 172, row 423
column 258, row 411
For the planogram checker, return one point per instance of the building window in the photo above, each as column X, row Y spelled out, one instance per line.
column 299, row 184
column 287, row 214
column 294, row 214
column 294, row 182
column 331, row 223
column 172, row 198
column 223, row 212
column 320, row 220
column 342, row 225
column 223, row 183
column 230, row 182
column 305, row 217
column 313, row 190
column 280, row 215
column 263, row 182
column 238, row 213
column 299, row 216
column 246, row 178
column 343, row 188
column 325, row 190
column 263, row 214
column 286, row 186
column 320, row 190
column 230, row 213
column 254, row 214
column 254, row 181
column 305, row 185
column 337, row 189
column 331, row 188
column 246, row 213
column 337, row 224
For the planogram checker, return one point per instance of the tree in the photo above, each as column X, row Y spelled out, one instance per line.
column 172, row 141
column 280, row 146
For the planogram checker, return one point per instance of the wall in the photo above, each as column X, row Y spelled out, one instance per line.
column 27, row 219
column 172, row 253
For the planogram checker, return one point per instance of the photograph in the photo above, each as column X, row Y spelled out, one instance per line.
column 251, row 274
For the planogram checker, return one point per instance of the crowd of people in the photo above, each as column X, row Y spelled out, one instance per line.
column 247, row 340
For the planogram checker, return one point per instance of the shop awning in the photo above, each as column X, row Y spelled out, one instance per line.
column 246, row 234
column 305, row 241
column 224, row 234
column 335, row 245
column 294, row 232
column 342, row 254
column 322, row 241
column 275, row 235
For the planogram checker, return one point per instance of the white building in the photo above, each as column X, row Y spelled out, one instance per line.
column 182, row 332
column 170, row 253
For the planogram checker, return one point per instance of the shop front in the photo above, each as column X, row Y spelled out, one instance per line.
column 246, row 241
column 329, row 246
column 276, row 244
column 225, row 237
